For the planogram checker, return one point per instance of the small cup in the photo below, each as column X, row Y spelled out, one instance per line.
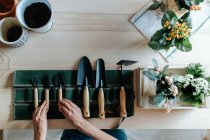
column 20, row 9
column 5, row 25
column 11, row 12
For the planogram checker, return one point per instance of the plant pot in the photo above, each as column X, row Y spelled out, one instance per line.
column 25, row 5
column 172, row 5
column 7, row 24
column 11, row 4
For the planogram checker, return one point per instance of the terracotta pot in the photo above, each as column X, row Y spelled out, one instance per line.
column 8, row 4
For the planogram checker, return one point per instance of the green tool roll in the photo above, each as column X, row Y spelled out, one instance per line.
column 24, row 99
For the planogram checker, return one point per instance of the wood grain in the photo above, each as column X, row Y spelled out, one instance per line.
column 98, row 29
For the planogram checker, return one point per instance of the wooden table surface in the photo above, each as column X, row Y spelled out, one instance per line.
column 98, row 29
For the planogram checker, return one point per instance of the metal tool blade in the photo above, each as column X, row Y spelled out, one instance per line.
column 55, row 81
column 60, row 80
column 84, row 73
column 34, row 82
column 125, row 63
column 100, row 74
column 46, row 82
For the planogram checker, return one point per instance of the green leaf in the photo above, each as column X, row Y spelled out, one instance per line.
column 198, row 1
column 159, row 100
column 181, row 4
column 189, row 2
column 187, row 19
column 188, row 98
column 155, row 6
column 154, row 41
column 155, row 62
column 165, row 68
column 207, row 79
column 196, row 69
column 158, row 41
column 183, row 44
column 196, row 104
column 155, row 45
column 169, row 16
column 158, row 35
column 151, row 75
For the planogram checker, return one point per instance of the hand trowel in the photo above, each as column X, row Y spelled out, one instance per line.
column 100, row 83
column 85, row 79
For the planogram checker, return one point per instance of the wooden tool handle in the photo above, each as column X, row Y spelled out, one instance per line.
column 101, row 103
column 47, row 95
column 86, row 111
column 123, row 112
column 36, row 102
column 60, row 94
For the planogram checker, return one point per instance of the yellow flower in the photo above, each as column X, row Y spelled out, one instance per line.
column 167, row 23
column 179, row 30
column 177, row 36
column 195, row 7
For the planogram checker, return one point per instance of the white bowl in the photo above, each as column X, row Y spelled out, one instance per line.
column 20, row 9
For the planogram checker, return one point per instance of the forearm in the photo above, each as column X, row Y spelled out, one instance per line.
column 39, row 136
column 94, row 132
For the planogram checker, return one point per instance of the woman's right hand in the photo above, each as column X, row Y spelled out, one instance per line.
column 71, row 112
column 74, row 115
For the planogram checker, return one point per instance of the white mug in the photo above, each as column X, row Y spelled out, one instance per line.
column 20, row 9
column 5, row 25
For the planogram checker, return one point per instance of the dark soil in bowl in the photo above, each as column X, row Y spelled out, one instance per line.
column 14, row 33
column 37, row 15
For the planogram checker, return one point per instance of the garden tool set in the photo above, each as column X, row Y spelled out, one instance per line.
column 98, row 92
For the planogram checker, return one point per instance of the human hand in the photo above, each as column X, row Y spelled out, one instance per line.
column 74, row 115
column 71, row 112
column 40, row 122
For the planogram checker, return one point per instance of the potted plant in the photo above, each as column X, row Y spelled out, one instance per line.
column 194, row 85
column 176, row 5
column 7, row 8
column 175, row 32
column 166, row 90
column 189, row 4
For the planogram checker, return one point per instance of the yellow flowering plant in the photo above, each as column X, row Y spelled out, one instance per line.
column 175, row 33
column 189, row 4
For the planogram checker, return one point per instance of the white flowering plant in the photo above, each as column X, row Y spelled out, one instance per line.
column 166, row 90
column 194, row 85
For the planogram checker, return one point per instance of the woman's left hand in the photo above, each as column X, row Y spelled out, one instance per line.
column 40, row 122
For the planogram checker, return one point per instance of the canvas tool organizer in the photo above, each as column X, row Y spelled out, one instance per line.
column 23, row 99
